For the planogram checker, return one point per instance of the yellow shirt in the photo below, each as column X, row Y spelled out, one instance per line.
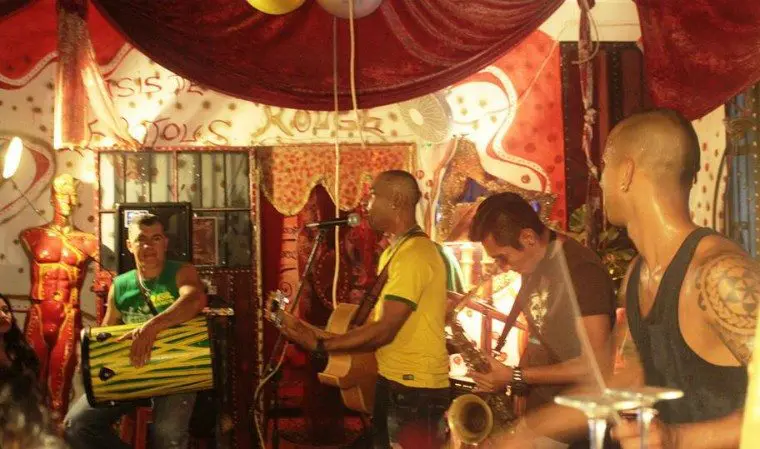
column 750, row 433
column 417, row 357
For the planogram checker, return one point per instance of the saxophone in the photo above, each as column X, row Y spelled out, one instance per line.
column 499, row 403
column 474, row 417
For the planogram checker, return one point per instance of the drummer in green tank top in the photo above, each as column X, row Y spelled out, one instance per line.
column 176, row 295
column 128, row 294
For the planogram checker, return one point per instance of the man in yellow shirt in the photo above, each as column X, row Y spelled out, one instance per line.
column 407, row 332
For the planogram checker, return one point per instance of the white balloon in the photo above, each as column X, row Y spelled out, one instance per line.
column 341, row 9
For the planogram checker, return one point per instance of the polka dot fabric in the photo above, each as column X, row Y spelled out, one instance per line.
column 707, row 201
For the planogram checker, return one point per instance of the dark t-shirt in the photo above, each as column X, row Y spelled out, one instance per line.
column 553, row 307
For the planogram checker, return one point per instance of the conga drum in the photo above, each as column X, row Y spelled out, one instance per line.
column 180, row 362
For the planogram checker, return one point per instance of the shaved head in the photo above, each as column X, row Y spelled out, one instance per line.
column 399, row 184
column 662, row 144
column 395, row 194
column 649, row 157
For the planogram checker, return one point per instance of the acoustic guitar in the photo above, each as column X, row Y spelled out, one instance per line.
column 354, row 374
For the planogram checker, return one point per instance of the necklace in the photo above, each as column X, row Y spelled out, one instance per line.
column 146, row 293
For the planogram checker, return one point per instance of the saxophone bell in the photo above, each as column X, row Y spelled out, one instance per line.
column 470, row 419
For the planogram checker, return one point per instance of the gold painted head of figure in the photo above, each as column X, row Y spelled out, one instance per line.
column 63, row 195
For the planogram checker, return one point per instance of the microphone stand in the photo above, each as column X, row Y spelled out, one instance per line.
column 280, row 343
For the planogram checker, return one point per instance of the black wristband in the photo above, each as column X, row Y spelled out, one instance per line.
column 518, row 385
column 320, row 349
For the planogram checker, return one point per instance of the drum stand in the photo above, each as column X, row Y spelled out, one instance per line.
column 279, row 346
column 646, row 397
column 598, row 408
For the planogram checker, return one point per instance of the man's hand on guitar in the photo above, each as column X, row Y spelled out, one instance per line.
column 298, row 332
column 142, row 338
column 452, row 301
column 495, row 380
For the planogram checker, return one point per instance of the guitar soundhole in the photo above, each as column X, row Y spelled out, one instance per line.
column 106, row 373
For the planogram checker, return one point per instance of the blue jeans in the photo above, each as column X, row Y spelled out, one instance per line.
column 408, row 417
column 92, row 428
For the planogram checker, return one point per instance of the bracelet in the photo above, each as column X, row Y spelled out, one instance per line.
column 518, row 384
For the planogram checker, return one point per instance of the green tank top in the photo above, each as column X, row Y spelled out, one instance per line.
column 129, row 298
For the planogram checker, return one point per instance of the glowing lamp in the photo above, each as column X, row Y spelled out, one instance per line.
column 12, row 157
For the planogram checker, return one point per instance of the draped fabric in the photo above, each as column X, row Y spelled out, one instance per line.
column 8, row 7
column 699, row 53
column 405, row 49
column 29, row 37
column 79, row 86
column 290, row 172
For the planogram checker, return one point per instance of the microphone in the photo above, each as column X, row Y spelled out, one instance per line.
column 352, row 220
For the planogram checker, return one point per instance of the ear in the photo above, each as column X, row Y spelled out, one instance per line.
column 397, row 199
column 528, row 238
column 129, row 246
column 627, row 169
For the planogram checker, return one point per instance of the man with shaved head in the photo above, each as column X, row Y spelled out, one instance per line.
column 692, row 294
column 407, row 332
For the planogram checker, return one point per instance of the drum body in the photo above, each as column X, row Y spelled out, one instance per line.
column 180, row 362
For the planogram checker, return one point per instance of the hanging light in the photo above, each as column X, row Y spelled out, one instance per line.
column 342, row 9
column 276, row 7
column 12, row 157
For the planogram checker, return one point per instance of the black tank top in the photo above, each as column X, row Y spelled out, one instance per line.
column 710, row 391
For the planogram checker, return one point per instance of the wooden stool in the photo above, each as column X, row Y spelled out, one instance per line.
column 134, row 427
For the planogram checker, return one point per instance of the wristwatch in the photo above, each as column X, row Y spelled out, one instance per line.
column 518, row 384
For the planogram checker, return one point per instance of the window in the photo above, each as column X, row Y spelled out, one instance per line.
column 216, row 183
column 743, row 163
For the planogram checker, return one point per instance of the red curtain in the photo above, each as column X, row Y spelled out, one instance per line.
column 323, row 411
column 699, row 53
column 271, row 251
column 29, row 35
column 10, row 6
column 405, row 49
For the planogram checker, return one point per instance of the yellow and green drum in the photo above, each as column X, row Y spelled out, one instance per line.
column 180, row 362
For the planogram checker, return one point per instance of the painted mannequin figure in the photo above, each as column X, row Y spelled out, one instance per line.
column 59, row 256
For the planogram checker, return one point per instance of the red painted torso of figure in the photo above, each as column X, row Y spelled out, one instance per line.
column 59, row 255
column 58, row 261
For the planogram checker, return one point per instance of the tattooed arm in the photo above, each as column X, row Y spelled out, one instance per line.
column 728, row 286
column 729, row 291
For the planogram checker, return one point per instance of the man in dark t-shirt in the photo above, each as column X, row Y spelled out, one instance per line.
column 564, row 288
